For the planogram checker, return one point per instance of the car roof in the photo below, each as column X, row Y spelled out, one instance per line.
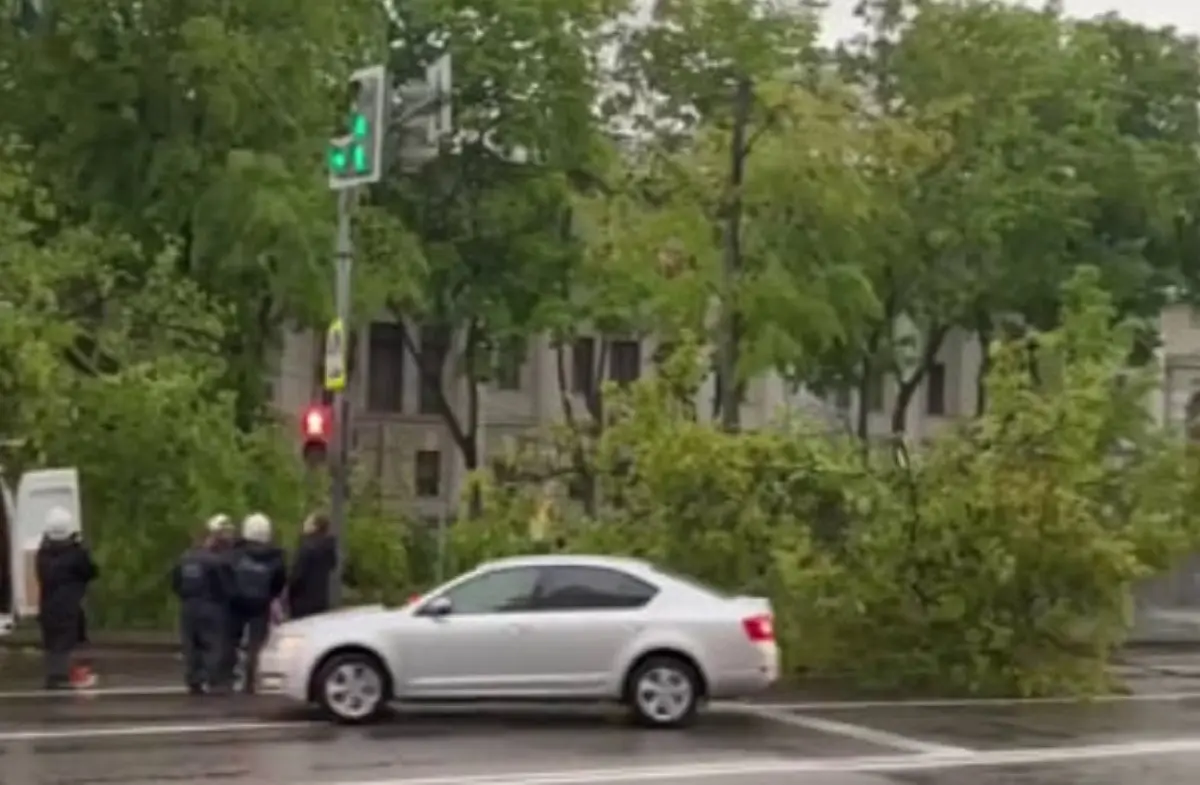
column 571, row 560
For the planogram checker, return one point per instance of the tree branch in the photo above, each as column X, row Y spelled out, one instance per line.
column 433, row 378
column 906, row 388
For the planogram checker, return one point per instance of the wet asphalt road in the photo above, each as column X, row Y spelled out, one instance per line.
column 131, row 737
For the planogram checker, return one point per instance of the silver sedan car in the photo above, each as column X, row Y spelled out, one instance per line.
column 592, row 628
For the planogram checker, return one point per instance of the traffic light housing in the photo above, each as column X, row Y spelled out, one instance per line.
column 357, row 157
column 316, row 425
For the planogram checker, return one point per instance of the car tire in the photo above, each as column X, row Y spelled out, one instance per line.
column 351, row 688
column 663, row 692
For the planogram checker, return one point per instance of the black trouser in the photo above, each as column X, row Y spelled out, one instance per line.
column 60, row 634
column 254, row 627
column 202, row 633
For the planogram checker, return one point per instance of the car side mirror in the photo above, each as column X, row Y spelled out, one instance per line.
column 437, row 607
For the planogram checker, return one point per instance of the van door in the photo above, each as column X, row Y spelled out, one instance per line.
column 37, row 492
column 7, row 599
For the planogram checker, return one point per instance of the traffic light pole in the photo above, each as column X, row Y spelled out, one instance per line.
column 339, row 467
column 356, row 160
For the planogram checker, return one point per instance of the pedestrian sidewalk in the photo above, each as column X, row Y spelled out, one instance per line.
column 21, row 672
column 125, row 641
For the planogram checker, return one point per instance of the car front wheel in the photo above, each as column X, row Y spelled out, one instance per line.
column 350, row 688
column 664, row 692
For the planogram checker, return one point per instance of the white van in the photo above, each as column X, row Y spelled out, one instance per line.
column 22, row 526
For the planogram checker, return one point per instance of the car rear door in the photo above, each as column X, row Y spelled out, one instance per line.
column 585, row 620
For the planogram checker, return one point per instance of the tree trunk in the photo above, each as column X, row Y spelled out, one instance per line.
column 862, row 420
column 731, row 322
column 907, row 387
column 984, row 330
column 465, row 436
column 580, row 465
column 564, row 386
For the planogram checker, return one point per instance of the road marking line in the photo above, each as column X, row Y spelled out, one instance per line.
column 98, row 692
column 802, row 706
column 879, row 764
column 150, row 730
column 966, row 703
column 879, row 738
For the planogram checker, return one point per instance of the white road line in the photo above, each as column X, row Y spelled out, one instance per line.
column 99, row 692
column 880, row 738
column 880, row 764
column 119, row 731
column 802, row 706
column 967, row 703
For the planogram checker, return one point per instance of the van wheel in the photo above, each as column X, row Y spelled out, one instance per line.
column 350, row 689
column 663, row 692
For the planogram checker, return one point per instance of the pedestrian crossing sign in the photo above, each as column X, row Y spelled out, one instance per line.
column 335, row 357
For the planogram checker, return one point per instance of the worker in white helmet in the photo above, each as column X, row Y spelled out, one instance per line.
column 221, row 531
column 64, row 569
column 259, row 579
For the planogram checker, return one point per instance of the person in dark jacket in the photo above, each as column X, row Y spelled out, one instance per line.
column 260, row 578
column 64, row 569
column 202, row 582
column 312, row 569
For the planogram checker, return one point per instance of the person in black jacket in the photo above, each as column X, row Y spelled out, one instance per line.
column 260, row 577
column 313, row 566
column 202, row 582
column 64, row 569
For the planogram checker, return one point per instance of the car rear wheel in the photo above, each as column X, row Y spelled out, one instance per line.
column 664, row 692
column 350, row 688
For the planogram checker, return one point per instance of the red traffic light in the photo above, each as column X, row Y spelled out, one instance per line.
column 316, row 423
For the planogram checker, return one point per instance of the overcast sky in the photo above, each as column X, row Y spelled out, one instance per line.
column 1183, row 14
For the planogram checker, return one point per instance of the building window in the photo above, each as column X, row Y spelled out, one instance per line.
column 875, row 392
column 385, row 367
column 583, row 366
column 935, row 389
column 435, row 346
column 510, row 361
column 625, row 361
column 427, row 474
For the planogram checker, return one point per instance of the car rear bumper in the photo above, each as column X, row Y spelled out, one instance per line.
column 757, row 675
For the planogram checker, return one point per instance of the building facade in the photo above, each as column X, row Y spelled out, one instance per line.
column 401, row 438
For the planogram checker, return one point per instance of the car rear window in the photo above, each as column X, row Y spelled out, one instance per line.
column 695, row 583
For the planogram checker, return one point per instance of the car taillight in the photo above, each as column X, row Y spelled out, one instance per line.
column 759, row 629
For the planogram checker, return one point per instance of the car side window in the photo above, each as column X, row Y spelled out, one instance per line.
column 591, row 588
column 498, row 591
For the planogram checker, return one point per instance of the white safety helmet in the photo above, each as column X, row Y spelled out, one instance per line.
column 218, row 523
column 59, row 523
column 256, row 528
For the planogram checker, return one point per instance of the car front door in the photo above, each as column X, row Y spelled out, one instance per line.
column 585, row 619
column 477, row 648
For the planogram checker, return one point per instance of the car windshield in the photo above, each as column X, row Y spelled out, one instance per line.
column 694, row 583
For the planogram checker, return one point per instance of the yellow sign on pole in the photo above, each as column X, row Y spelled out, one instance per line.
column 335, row 356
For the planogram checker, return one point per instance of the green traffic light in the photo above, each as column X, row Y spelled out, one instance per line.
column 359, row 126
column 337, row 159
column 360, row 158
